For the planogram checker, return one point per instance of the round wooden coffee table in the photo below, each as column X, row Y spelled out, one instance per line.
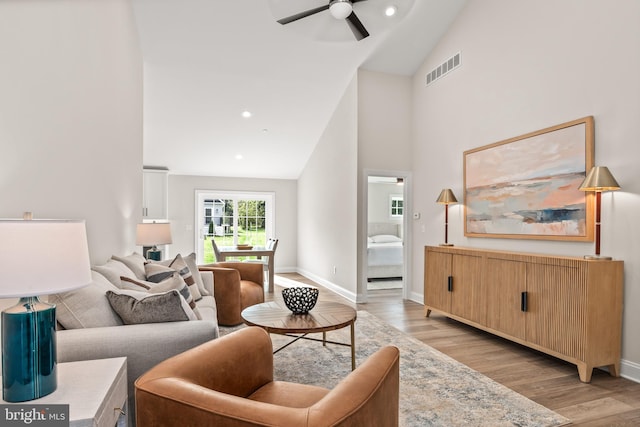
column 324, row 317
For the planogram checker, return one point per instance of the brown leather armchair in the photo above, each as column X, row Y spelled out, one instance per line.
column 236, row 286
column 210, row 385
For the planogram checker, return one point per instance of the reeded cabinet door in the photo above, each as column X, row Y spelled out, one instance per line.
column 468, row 297
column 557, row 314
column 436, row 275
column 506, row 280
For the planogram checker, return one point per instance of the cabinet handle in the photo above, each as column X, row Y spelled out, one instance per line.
column 523, row 301
column 450, row 283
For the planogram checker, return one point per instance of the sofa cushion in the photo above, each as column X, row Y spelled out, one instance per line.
column 207, row 308
column 135, row 262
column 180, row 265
column 86, row 307
column 193, row 267
column 113, row 270
column 173, row 282
column 141, row 307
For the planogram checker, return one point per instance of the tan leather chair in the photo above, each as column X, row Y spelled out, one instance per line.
column 236, row 286
column 229, row 382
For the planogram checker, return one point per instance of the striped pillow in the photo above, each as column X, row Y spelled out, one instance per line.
column 156, row 273
column 180, row 265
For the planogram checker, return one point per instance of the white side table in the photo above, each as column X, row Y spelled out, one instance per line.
column 95, row 390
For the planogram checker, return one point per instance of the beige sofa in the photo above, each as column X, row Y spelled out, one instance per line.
column 92, row 329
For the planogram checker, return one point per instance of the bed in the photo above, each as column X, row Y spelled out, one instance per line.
column 384, row 251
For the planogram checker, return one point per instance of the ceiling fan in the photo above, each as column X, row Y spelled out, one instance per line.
column 339, row 9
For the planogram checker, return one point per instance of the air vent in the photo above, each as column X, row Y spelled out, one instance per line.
column 443, row 69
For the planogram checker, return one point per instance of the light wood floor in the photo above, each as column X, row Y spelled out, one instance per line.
column 553, row 383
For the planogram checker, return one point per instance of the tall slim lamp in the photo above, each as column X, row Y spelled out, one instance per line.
column 598, row 180
column 446, row 198
column 28, row 328
column 153, row 234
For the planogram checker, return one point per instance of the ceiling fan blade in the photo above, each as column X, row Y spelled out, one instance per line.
column 356, row 27
column 356, row 1
column 303, row 14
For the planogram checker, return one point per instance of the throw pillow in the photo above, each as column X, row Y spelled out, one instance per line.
column 179, row 264
column 386, row 238
column 173, row 282
column 157, row 272
column 135, row 262
column 140, row 307
column 193, row 266
column 86, row 307
column 113, row 270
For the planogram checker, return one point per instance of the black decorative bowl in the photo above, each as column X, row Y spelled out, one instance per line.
column 300, row 299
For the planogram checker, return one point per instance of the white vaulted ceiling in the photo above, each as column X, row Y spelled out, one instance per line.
column 207, row 61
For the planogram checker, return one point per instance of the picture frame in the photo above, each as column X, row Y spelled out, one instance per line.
column 526, row 187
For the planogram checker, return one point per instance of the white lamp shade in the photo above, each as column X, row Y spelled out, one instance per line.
column 41, row 257
column 153, row 233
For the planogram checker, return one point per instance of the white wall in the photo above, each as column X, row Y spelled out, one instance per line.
column 327, row 202
column 182, row 190
column 71, row 117
column 379, row 202
column 526, row 66
column 384, row 148
column 384, row 121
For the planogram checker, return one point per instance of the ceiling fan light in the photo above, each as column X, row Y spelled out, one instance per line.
column 340, row 9
column 390, row 11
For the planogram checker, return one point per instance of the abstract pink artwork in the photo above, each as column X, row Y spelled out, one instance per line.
column 527, row 187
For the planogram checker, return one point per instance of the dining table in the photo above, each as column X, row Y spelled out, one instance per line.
column 253, row 251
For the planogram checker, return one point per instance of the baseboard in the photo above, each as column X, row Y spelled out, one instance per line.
column 329, row 285
column 630, row 370
column 416, row 297
column 285, row 270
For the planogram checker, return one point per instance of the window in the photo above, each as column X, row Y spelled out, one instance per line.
column 397, row 206
column 232, row 218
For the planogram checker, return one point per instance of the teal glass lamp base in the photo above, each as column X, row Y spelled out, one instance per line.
column 154, row 254
column 28, row 350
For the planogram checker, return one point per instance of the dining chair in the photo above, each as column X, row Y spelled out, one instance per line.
column 270, row 244
column 216, row 251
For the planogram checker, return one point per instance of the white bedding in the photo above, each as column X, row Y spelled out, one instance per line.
column 389, row 253
column 384, row 251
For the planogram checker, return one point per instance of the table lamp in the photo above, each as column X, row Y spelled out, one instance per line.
column 446, row 198
column 153, row 234
column 598, row 180
column 28, row 328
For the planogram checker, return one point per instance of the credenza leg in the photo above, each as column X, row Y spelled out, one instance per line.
column 585, row 372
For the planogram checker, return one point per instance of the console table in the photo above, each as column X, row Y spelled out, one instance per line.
column 95, row 390
column 568, row 307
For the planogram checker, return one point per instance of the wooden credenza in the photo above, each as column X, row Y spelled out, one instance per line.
column 568, row 307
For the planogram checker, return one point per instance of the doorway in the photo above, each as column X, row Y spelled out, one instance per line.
column 386, row 232
column 232, row 218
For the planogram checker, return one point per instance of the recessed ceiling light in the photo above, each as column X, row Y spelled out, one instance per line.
column 390, row 11
column 239, row 157
column 246, row 114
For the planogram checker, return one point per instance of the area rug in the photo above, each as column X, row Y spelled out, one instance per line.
column 435, row 390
